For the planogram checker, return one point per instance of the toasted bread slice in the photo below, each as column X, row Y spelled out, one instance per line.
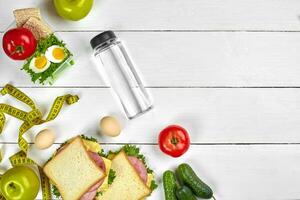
column 39, row 28
column 22, row 15
column 127, row 185
column 72, row 170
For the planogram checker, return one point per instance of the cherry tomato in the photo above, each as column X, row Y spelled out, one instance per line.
column 174, row 140
column 19, row 43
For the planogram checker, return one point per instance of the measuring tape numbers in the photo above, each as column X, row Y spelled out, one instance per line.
column 30, row 119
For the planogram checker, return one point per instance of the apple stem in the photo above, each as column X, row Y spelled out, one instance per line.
column 12, row 185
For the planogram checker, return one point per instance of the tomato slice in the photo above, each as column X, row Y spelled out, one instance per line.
column 174, row 140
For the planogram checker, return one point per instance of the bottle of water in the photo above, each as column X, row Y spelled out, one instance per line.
column 119, row 71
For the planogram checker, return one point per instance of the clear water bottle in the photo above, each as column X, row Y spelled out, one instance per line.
column 119, row 71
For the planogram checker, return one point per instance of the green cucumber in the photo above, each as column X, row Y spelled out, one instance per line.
column 185, row 193
column 170, row 185
column 188, row 177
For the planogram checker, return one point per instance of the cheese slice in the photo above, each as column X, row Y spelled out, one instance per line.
column 105, row 184
column 150, row 178
column 95, row 147
column 92, row 146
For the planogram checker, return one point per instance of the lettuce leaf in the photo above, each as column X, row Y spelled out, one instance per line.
column 153, row 185
column 42, row 46
column 55, row 191
column 89, row 138
column 111, row 176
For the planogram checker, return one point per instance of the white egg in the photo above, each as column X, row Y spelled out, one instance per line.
column 110, row 126
column 55, row 54
column 39, row 64
column 44, row 139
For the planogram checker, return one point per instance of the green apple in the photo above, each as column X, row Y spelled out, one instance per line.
column 73, row 9
column 19, row 183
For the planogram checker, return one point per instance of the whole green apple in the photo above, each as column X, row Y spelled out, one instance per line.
column 73, row 9
column 19, row 183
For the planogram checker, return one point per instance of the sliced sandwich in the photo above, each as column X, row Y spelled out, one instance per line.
column 133, row 181
column 78, row 171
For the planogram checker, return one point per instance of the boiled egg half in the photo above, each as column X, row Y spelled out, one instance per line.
column 55, row 54
column 39, row 64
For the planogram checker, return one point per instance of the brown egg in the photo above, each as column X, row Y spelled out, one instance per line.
column 110, row 126
column 44, row 139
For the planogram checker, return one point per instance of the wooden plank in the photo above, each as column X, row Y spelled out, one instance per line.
column 186, row 59
column 172, row 15
column 271, row 172
column 210, row 115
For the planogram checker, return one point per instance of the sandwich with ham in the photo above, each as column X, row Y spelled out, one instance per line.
column 134, row 180
column 79, row 170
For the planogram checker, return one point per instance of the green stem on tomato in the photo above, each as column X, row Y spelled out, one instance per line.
column 174, row 140
column 19, row 49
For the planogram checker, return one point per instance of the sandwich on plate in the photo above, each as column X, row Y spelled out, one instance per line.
column 78, row 170
column 133, row 179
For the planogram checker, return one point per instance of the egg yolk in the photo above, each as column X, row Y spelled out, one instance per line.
column 58, row 53
column 40, row 62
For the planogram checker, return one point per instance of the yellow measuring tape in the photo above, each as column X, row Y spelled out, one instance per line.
column 34, row 117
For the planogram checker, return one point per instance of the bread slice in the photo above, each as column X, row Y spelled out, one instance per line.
column 72, row 171
column 39, row 28
column 22, row 15
column 127, row 185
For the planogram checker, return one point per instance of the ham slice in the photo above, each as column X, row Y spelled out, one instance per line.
column 98, row 160
column 91, row 193
column 139, row 167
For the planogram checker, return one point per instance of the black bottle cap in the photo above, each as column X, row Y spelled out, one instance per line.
column 102, row 38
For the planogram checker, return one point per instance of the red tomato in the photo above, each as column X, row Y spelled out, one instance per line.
column 19, row 43
column 174, row 140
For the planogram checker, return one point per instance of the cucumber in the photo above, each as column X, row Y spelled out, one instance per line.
column 188, row 177
column 170, row 185
column 185, row 193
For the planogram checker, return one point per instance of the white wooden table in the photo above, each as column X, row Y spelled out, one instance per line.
column 228, row 71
